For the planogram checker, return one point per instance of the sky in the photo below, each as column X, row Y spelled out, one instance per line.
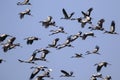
column 83, row 68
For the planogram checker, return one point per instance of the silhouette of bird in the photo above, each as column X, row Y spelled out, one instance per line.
column 108, row 78
column 77, row 55
column 1, row 60
column 66, row 74
column 112, row 29
column 99, row 25
column 95, row 51
column 36, row 71
column 3, row 37
column 85, row 35
column 59, row 30
column 100, row 65
column 26, row 12
column 54, row 43
column 48, row 22
column 31, row 39
column 25, row 2
column 66, row 15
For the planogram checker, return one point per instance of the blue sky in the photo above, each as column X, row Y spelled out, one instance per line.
column 10, row 23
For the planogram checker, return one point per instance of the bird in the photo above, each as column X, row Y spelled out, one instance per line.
column 108, row 77
column 66, row 74
column 44, row 52
column 1, row 60
column 5, row 46
column 36, row 71
column 95, row 51
column 46, row 73
column 31, row 39
column 59, row 30
column 14, row 45
column 98, row 75
column 99, row 25
column 25, row 2
column 48, row 22
column 85, row 35
column 66, row 15
column 54, row 43
column 77, row 55
column 4, row 36
column 100, row 65
column 26, row 12
column 112, row 28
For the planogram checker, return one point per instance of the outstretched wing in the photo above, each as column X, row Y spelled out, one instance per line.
column 65, row 13
column 112, row 27
column 64, row 72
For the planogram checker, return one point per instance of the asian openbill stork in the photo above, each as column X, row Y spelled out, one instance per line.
column 66, row 15
column 95, row 51
column 3, row 37
column 36, row 71
column 59, row 30
column 99, row 25
column 67, row 74
column 31, row 39
column 112, row 29
column 85, row 35
column 77, row 55
column 25, row 2
column 54, row 43
column 100, row 65
column 26, row 12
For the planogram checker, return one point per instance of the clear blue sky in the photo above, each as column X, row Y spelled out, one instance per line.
column 59, row 59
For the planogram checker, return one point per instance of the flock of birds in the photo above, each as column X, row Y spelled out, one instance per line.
column 86, row 19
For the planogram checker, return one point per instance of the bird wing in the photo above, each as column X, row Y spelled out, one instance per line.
column 98, row 68
column 34, row 73
column 64, row 72
column 65, row 13
column 89, row 11
column 96, row 49
column 21, row 15
column 112, row 28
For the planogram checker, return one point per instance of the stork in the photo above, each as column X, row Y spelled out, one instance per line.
column 100, row 65
column 25, row 2
column 3, row 37
column 67, row 74
column 59, row 30
column 26, row 12
column 112, row 29
column 85, row 35
column 99, row 25
column 66, row 15
column 77, row 55
column 31, row 39
column 54, row 43
column 95, row 51
column 74, row 37
column 36, row 71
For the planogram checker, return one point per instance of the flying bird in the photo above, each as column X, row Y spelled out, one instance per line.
column 31, row 39
column 3, row 37
column 100, row 65
column 77, row 55
column 75, row 36
column 95, row 51
column 26, row 12
column 85, row 35
column 108, row 78
column 66, row 15
column 59, row 30
column 54, row 43
column 66, row 74
column 112, row 29
column 36, row 71
column 25, row 2
column 99, row 25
